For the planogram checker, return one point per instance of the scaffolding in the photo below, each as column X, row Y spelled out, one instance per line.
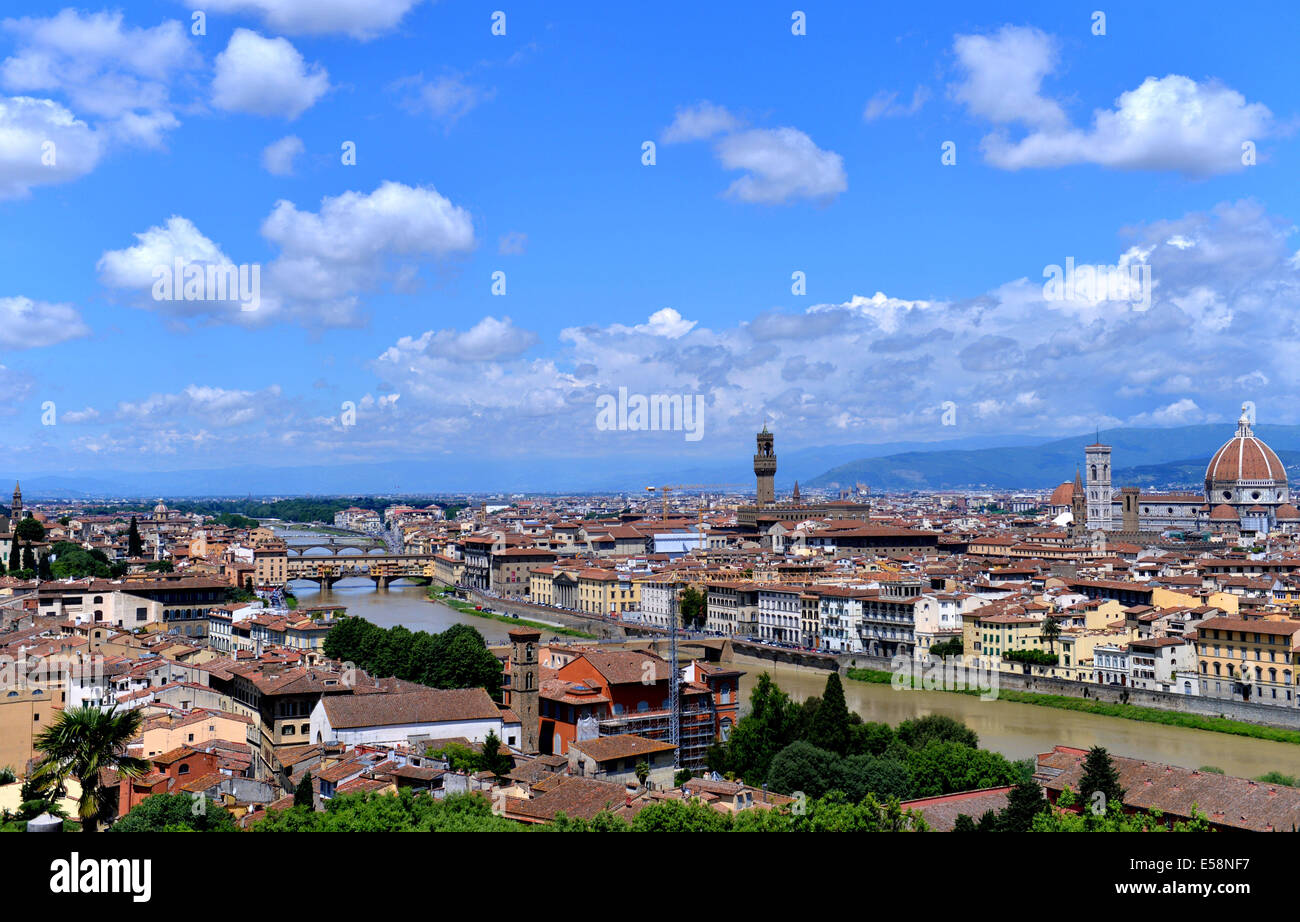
column 692, row 733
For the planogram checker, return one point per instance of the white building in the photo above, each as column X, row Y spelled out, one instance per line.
column 1154, row 662
column 840, row 614
column 392, row 719
column 779, row 614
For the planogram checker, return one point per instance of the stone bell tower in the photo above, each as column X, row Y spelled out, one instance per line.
column 525, row 689
column 765, row 467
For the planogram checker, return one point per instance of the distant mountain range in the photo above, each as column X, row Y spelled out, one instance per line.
column 1141, row 457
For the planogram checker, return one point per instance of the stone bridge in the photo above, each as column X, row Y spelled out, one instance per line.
column 382, row 568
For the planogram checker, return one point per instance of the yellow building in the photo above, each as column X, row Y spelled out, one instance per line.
column 1249, row 659
column 163, row 734
column 603, row 592
column 24, row 712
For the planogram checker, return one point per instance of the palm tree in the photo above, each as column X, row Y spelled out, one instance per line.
column 80, row 743
column 1051, row 630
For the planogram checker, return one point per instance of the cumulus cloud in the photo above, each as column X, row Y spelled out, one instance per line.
column 700, row 122
column 42, row 143
column 26, row 324
column 278, row 156
column 781, row 164
column 355, row 243
column 361, row 19
column 117, row 74
column 488, row 340
column 1168, row 123
column 447, row 98
column 885, row 104
column 266, row 76
column 208, row 405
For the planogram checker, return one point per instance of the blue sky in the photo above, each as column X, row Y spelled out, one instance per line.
column 522, row 153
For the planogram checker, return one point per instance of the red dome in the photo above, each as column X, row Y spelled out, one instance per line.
column 1223, row 513
column 1244, row 457
column 1062, row 495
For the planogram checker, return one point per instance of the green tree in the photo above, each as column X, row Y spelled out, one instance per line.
column 15, row 555
column 29, row 559
column 830, row 725
column 303, row 796
column 963, row 823
column 1050, row 632
column 170, row 812
column 79, row 743
column 801, row 766
column 762, row 733
column 134, row 546
column 43, row 569
column 1099, row 775
column 694, row 607
column 496, row 759
column 921, row 732
column 30, row 530
column 1024, row 802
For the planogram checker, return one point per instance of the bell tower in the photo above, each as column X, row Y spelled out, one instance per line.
column 1100, row 497
column 765, row 467
column 525, row 689
column 16, row 512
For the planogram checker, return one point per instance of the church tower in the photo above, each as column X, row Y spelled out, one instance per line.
column 525, row 689
column 1078, row 507
column 1097, row 463
column 16, row 513
column 765, row 467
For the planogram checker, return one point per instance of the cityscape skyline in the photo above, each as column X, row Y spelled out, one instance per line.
column 376, row 333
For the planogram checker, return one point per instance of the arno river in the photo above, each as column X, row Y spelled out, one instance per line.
column 1016, row 730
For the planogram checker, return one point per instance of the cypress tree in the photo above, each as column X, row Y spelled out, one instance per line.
column 15, row 556
column 1024, row 802
column 830, row 725
column 302, row 794
column 29, row 559
column 1099, row 774
column 134, row 546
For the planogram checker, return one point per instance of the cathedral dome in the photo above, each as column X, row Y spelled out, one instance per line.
column 1245, row 470
column 1223, row 513
column 1288, row 512
column 1062, row 495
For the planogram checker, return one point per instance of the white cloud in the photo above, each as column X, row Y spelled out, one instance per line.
column 25, row 323
column 488, row 340
column 327, row 259
column 884, row 104
column 1183, row 412
column 781, row 164
column 278, row 156
column 117, row 74
column 27, row 126
column 361, row 19
column 700, row 122
column 75, row 417
column 447, row 98
column 266, row 76
column 1167, row 123
column 211, row 406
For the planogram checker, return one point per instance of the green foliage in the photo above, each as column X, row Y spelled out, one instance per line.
column 303, row 795
column 30, row 530
column 1024, row 803
column 72, row 561
column 1033, row 657
column 1212, row 769
column 7, row 775
column 79, row 743
column 234, row 520
column 1277, row 778
column 801, row 766
column 946, row 648
column 693, row 605
column 134, row 546
column 456, row 658
column 499, row 762
column 401, row 812
column 830, row 725
column 758, row 736
column 175, row 812
column 948, row 767
column 1061, row 818
column 1099, row 774
column 459, row 758
column 159, row 566
column 936, row 727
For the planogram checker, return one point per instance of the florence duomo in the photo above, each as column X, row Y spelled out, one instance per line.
column 1246, row 491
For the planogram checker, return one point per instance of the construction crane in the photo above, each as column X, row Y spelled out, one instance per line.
column 664, row 490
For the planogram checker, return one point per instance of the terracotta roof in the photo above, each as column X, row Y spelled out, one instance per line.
column 623, row 746
column 429, row 706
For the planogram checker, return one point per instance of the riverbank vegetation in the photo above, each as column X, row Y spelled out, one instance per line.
column 456, row 658
column 1109, row 709
column 445, row 595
